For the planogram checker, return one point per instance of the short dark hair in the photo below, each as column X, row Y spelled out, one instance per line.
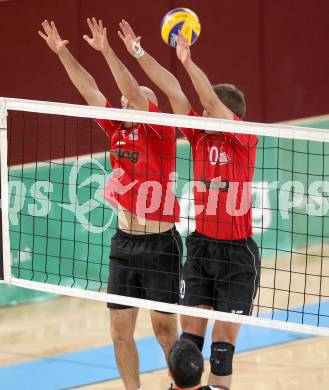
column 232, row 97
column 185, row 363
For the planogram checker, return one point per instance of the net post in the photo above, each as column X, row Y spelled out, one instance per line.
column 5, row 266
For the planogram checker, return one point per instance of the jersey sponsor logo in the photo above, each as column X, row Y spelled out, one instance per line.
column 126, row 155
column 223, row 158
column 218, row 157
column 133, row 136
column 216, row 185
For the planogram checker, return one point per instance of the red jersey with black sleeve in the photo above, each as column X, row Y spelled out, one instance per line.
column 223, row 166
column 143, row 160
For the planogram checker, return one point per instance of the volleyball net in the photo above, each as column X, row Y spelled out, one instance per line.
column 57, row 225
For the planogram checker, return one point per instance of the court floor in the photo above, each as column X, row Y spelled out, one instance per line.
column 63, row 325
column 50, row 331
column 297, row 365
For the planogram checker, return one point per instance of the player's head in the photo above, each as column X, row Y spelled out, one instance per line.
column 185, row 364
column 125, row 103
column 233, row 98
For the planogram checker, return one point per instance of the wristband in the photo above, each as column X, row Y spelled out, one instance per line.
column 139, row 51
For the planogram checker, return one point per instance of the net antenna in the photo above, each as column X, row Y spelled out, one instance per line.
column 55, row 272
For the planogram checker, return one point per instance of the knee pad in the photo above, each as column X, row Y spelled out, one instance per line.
column 221, row 358
column 197, row 340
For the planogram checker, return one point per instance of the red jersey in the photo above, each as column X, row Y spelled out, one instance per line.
column 142, row 158
column 223, row 170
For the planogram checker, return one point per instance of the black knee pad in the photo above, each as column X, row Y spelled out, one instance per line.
column 197, row 340
column 221, row 358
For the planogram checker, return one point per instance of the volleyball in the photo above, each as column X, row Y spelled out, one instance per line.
column 180, row 19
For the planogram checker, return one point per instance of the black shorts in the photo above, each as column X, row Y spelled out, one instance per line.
column 221, row 274
column 145, row 266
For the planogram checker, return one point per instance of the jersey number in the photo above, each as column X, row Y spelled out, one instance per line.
column 213, row 155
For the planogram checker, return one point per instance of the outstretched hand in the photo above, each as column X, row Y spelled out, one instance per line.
column 52, row 38
column 182, row 49
column 129, row 38
column 98, row 40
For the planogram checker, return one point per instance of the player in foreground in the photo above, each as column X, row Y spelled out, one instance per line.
column 146, row 250
column 186, row 367
column 222, row 267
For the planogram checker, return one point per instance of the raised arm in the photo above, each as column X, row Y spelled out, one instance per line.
column 80, row 78
column 127, row 84
column 204, row 89
column 161, row 77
